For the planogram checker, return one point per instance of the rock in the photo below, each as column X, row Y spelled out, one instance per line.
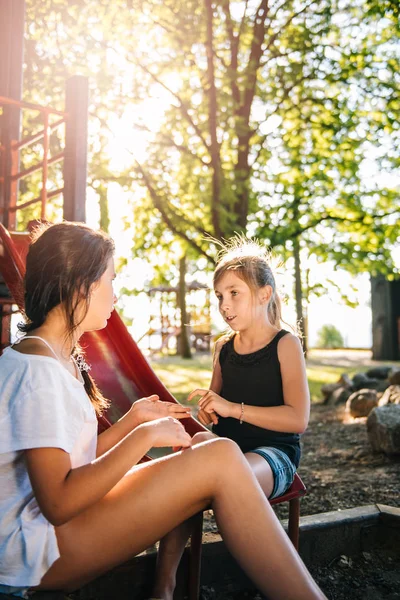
column 394, row 378
column 345, row 381
column 327, row 389
column 361, row 403
column 380, row 385
column 359, row 379
column 339, row 396
column 390, row 396
column 366, row 383
column 383, row 426
column 379, row 372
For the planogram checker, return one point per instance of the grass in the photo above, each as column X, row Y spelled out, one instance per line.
column 182, row 376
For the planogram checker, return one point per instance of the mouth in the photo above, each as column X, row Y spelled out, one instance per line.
column 230, row 319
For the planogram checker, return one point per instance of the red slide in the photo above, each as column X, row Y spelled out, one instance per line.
column 119, row 368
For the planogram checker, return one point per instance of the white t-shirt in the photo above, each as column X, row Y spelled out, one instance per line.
column 41, row 405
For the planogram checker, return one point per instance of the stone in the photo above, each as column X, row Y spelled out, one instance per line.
column 394, row 378
column 361, row 403
column 365, row 383
column 379, row 372
column 339, row 396
column 390, row 396
column 383, row 426
column 359, row 379
column 327, row 389
column 345, row 381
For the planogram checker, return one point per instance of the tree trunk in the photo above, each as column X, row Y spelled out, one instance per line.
column 242, row 177
column 103, row 203
column 185, row 341
column 299, row 292
column 212, row 124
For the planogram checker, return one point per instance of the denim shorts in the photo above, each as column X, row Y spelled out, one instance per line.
column 282, row 468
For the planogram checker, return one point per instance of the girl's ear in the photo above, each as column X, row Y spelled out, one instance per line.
column 265, row 294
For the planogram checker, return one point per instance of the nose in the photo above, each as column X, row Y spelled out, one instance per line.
column 224, row 306
column 115, row 299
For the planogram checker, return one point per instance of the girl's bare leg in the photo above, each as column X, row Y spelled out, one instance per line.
column 173, row 544
column 168, row 558
column 156, row 496
column 262, row 471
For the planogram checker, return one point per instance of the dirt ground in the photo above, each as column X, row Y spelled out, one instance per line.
column 340, row 471
column 339, row 468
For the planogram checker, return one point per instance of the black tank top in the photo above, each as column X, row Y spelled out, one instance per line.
column 254, row 379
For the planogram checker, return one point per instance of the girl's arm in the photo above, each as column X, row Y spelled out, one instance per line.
column 114, row 434
column 215, row 385
column 293, row 415
column 63, row 492
column 216, row 379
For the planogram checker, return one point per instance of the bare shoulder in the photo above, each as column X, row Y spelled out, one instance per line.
column 33, row 346
column 289, row 346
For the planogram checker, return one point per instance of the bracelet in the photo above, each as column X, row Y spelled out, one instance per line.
column 241, row 413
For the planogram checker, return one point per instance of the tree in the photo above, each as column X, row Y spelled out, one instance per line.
column 229, row 72
column 329, row 337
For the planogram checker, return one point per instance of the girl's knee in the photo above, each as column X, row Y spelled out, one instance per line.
column 203, row 436
column 225, row 449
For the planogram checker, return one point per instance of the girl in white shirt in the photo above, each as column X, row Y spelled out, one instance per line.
column 60, row 482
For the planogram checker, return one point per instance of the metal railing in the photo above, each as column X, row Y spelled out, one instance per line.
column 9, row 161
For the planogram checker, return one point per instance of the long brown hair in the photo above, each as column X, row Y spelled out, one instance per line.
column 63, row 263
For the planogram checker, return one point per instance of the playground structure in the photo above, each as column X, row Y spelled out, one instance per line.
column 71, row 128
column 74, row 168
column 164, row 330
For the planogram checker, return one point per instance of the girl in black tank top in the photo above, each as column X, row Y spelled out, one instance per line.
column 257, row 378
column 258, row 395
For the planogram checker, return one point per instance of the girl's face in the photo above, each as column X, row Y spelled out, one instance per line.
column 102, row 300
column 237, row 304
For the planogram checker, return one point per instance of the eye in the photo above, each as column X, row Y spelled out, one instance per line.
column 234, row 293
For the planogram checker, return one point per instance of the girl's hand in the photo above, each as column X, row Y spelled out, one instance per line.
column 207, row 418
column 167, row 432
column 210, row 403
column 151, row 408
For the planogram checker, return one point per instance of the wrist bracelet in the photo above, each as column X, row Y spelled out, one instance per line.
column 241, row 413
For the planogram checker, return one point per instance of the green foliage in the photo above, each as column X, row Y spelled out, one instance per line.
column 274, row 115
column 329, row 337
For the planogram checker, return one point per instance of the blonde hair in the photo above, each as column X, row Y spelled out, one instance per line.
column 253, row 264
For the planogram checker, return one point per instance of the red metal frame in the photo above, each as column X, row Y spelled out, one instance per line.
column 15, row 146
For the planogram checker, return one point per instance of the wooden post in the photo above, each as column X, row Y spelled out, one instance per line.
column 385, row 305
column 12, row 23
column 75, row 161
column 299, row 292
column 184, row 349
